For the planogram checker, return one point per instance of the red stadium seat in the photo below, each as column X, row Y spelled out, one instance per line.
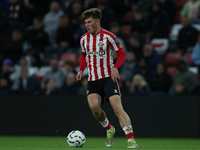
column 126, row 29
column 188, row 57
column 172, row 71
column 172, row 58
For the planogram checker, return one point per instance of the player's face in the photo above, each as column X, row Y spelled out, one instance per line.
column 92, row 25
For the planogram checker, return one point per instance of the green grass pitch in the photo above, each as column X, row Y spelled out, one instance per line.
column 95, row 143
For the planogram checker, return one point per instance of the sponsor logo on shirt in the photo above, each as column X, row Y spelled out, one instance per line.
column 96, row 53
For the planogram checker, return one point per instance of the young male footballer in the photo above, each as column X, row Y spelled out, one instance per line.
column 98, row 46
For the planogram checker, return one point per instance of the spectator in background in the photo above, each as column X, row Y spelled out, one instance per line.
column 35, row 8
column 82, row 90
column 69, row 66
column 31, row 55
column 28, row 85
column 136, row 43
column 144, row 6
column 51, row 21
column 151, row 55
column 108, row 15
column 4, row 26
column 17, row 14
column 190, row 79
column 66, row 6
column 143, row 69
column 180, row 88
column 191, row 10
column 87, row 4
column 13, row 48
column 139, row 86
column 128, row 67
column 116, row 29
column 187, row 36
column 161, row 80
column 5, row 86
column 169, row 7
column 56, row 74
column 49, row 88
column 64, row 37
column 196, row 54
column 75, row 15
column 138, row 23
column 36, row 35
column 7, row 70
column 17, row 72
column 70, row 86
column 120, row 7
column 157, row 24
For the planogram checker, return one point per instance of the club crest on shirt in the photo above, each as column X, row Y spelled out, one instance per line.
column 100, row 44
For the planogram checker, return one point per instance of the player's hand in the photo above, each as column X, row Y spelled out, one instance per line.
column 114, row 74
column 79, row 76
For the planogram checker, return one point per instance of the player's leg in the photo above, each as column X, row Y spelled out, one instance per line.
column 94, row 101
column 124, row 120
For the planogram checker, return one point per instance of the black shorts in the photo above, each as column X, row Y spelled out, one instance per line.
column 105, row 87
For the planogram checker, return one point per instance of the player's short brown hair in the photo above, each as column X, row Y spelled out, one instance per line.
column 93, row 12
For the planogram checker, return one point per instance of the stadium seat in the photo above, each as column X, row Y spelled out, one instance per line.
column 172, row 71
column 33, row 70
column 126, row 29
column 160, row 45
column 172, row 58
column 67, row 56
column 194, row 70
column 188, row 56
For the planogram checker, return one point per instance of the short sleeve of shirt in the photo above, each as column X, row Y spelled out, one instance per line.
column 115, row 43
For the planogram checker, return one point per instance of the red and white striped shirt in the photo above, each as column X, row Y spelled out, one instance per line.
column 97, row 54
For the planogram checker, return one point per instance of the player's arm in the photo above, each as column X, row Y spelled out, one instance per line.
column 121, row 58
column 83, row 65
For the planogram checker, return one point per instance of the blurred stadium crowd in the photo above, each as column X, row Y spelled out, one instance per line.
column 40, row 51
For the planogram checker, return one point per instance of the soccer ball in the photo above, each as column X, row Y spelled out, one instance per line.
column 76, row 139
